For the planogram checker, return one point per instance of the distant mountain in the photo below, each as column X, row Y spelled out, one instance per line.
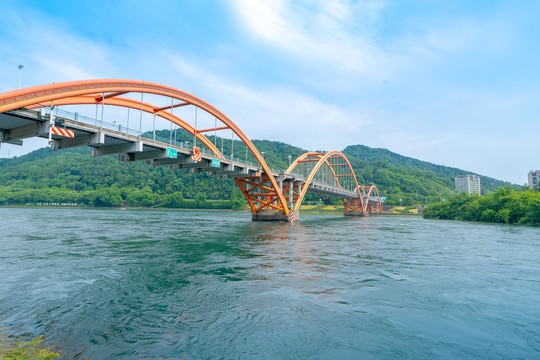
column 365, row 153
column 74, row 176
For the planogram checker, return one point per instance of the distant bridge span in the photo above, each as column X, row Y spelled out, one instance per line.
column 271, row 194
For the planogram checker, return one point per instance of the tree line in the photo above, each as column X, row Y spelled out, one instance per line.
column 505, row 205
column 74, row 176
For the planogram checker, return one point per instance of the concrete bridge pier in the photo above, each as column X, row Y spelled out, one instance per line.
column 274, row 215
column 355, row 213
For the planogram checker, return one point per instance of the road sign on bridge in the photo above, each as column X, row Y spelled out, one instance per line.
column 171, row 153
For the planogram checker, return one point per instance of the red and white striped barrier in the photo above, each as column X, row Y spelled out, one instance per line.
column 196, row 154
column 62, row 132
column 292, row 216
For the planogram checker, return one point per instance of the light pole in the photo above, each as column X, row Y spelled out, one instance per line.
column 289, row 159
column 20, row 69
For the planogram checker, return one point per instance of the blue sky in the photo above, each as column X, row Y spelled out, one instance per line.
column 451, row 82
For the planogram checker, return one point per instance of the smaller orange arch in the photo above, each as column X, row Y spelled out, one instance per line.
column 322, row 160
column 370, row 189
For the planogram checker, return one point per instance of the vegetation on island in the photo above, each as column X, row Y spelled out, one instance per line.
column 72, row 176
column 505, row 205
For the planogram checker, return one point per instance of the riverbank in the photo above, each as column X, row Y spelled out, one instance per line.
column 26, row 350
column 310, row 209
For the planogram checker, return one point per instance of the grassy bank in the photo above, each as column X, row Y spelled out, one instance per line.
column 26, row 350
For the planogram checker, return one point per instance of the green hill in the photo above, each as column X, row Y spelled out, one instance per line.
column 73, row 176
column 368, row 154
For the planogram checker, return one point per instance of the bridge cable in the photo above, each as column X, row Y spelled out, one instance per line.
column 140, row 120
column 195, row 129
column 154, row 126
column 97, row 103
column 170, row 131
column 102, row 106
column 51, row 123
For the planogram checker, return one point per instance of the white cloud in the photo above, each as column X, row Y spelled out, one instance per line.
column 50, row 52
column 319, row 32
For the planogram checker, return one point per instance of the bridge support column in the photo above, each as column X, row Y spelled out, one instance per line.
column 274, row 215
column 355, row 213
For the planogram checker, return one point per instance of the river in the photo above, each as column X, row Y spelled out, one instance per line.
column 104, row 284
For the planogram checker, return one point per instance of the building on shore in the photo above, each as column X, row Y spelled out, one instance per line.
column 534, row 176
column 468, row 183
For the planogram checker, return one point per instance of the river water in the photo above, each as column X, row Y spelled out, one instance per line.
column 105, row 284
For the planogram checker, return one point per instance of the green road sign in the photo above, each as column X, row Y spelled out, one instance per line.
column 172, row 153
column 216, row 163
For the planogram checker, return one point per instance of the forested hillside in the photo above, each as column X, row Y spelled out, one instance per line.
column 73, row 176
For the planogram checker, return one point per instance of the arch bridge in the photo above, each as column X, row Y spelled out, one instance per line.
column 271, row 194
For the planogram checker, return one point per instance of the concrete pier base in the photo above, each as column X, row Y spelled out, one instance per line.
column 355, row 213
column 273, row 215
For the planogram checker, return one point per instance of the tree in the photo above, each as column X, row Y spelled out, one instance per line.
column 107, row 197
column 200, row 201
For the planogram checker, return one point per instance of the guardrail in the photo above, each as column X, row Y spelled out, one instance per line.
column 45, row 112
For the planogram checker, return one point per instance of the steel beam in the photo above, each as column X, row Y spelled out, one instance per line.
column 3, row 139
column 81, row 140
column 145, row 155
column 28, row 131
column 119, row 148
column 168, row 161
column 190, row 165
column 250, row 173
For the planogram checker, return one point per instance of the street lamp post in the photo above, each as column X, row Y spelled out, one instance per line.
column 20, row 70
column 289, row 160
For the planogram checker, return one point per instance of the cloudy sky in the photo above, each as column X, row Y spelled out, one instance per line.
column 453, row 82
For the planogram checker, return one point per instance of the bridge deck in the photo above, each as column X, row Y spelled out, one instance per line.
column 131, row 145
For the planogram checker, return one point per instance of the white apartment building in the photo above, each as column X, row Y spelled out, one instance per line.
column 534, row 176
column 468, row 183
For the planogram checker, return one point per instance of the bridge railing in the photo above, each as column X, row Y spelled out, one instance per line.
column 147, row 135
column 166, row 141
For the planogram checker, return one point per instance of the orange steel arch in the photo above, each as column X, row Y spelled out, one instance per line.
column 323, row 159
column 46, row 94
column 350, row 204
column 134, row 104
column 369, row 189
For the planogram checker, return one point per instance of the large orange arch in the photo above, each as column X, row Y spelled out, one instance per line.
column 72, row 91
